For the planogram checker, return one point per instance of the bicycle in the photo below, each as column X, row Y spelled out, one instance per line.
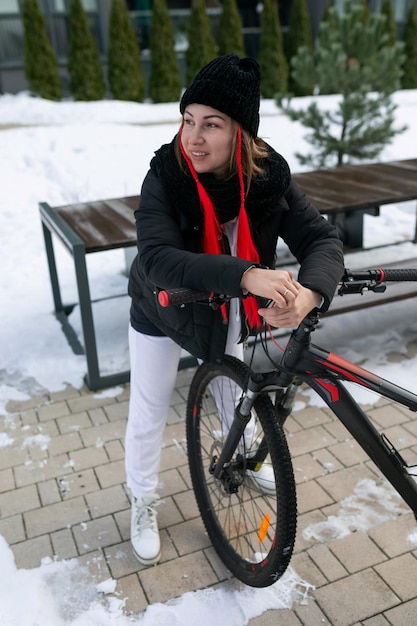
column 234, row 428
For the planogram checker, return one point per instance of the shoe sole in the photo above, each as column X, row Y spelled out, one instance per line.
column 154, row 561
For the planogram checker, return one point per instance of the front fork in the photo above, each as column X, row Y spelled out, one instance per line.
column 284, row 401
column 237, row 429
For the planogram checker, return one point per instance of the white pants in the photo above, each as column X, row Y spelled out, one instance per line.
column 153, row 371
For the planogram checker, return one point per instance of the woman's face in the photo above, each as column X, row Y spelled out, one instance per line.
column 207, row 138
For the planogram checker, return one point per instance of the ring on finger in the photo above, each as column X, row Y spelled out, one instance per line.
column 285, row 292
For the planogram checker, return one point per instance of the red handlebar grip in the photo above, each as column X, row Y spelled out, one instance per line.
column 163, row 298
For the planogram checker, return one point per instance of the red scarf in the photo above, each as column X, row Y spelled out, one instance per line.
column 213, row 233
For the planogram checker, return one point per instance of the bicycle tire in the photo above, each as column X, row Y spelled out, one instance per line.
column 252, row 532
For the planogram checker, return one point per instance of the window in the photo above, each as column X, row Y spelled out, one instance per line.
column 400, row 10
column 62, row 6
column 9, row 6
column 59, row 5
column 90, row 5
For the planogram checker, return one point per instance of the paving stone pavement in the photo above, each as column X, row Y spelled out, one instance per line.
column 63, row 495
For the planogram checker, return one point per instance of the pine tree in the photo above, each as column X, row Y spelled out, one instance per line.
column 230, row 37
column 41, row 68
column 390, row 25
column 274, row 68
column 366, row 13
column 355, row 61
column 409, row 79
column 84, row 66
column 330, row 16
column 299, row 35
column 165, row 82
column 125, row 73
column 327, row 33
column 201, row 45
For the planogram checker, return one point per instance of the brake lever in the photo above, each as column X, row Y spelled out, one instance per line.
column 359, row 286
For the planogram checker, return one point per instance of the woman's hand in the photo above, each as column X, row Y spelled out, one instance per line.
column 276, row 285
column 291, row 302
column 293, row 313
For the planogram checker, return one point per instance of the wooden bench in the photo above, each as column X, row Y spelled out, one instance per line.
column 83, row 229
column 343, row 194
column 346, row 193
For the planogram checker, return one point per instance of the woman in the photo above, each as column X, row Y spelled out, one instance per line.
column 212, row 207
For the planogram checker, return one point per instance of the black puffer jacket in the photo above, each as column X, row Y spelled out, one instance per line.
column 170, row 255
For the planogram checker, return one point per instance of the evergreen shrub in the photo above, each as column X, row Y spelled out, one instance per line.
column 201, row 44
column 274, row 67
column 230, row 37
column 125, row 73
column 41, row 67
column 164, row 82
column 409, row 79
column 298, row 36
column 84, row 65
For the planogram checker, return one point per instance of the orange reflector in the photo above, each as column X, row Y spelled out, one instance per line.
column 263, row 528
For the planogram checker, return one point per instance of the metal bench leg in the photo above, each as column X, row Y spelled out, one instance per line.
column 93, row 378
column 53, row 274
column 353, row 229
column 415, row 230
column 84, row 298
column 350, row 226
column 61, row 311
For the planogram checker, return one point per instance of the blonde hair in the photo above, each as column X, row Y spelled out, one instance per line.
column 253, row 152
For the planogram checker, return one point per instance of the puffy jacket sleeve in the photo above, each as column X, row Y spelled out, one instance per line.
column 314, row 243
column 162, row 257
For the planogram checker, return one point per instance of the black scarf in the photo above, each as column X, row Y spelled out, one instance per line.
column 264, row 193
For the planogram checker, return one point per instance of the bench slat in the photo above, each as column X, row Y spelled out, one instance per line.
column 109, row 224
column 104, row 224
column 359, row 187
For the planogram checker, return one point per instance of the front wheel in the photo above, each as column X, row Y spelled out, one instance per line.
column 250, row 512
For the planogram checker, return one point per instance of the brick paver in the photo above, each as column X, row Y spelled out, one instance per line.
column 63, row 495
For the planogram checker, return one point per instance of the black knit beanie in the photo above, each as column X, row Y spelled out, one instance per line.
column 230, row 85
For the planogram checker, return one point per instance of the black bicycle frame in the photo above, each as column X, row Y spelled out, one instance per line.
column 325, row 372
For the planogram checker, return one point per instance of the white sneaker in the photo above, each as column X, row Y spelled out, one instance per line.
column 144, row 534
column 263, row 479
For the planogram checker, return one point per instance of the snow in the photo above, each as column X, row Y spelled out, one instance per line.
column 370, row 504
column 85, row 603
column 69, row 152
column 72, row 152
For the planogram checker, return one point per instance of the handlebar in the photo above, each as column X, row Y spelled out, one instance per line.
column 373, row 280
column 352, row 281
column 183, row 295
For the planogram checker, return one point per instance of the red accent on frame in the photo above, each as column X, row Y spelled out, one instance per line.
column 330, row 387
column 355, row 373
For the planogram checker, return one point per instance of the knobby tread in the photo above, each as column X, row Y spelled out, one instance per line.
column 281, row 508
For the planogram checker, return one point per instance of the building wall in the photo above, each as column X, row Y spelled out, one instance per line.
column 12, row 78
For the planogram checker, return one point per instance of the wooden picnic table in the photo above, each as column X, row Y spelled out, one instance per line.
column 346, row 193
column 343, row 194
